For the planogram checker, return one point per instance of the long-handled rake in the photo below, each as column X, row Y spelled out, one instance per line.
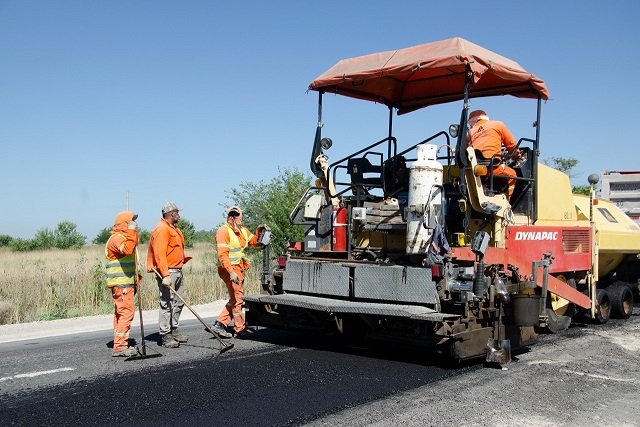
column 141, row 354
column 225, row 347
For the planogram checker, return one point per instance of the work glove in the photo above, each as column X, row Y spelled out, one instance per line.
column 233, row 276
column 166, row 281
column 132, row 225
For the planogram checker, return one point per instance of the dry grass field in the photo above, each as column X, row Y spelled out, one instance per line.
column 56, row 284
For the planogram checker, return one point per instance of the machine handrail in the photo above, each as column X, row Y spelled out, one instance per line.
column 336, row 165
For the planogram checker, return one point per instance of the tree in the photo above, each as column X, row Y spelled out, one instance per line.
column 66, row 236
column 145, row 235
column 271, row 203
column 44, row 239
column 103, row 236
column 188, row 230
column 566, row 165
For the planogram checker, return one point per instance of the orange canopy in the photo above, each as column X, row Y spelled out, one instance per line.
column 428, row 74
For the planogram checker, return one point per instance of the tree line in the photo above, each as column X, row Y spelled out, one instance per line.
column 262, row 202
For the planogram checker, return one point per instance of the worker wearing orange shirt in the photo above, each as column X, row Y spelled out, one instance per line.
column 488, row 136
column 231, row 240
column 166, row 256
column 122, row 278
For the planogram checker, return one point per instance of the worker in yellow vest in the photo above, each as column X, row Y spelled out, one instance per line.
column 122, row 277
column 231, row 240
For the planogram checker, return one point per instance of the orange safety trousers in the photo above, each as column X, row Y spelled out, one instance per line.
column 122, row 316
column 511, row 175
column 233, row 308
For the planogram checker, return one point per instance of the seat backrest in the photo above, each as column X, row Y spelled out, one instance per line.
column 361, row 165
column 358, row 166
column 395, row 175
column 482, row 160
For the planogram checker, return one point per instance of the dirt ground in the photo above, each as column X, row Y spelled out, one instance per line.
column 588, row 375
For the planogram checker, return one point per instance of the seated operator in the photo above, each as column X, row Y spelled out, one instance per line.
column 488, row 136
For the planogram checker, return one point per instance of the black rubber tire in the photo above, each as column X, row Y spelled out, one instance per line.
column 603, row 307
column 621, row 298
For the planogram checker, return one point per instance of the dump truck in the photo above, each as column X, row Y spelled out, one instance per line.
column 417, row 244
column 623, row 188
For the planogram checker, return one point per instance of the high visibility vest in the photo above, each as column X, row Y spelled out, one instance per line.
column 236, row 249
column 121, row 272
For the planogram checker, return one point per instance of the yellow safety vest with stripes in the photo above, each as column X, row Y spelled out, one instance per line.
column 236, row 249
column 121, row 272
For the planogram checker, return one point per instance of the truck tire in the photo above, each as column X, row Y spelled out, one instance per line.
column 603, row 307
column 559, row 310
column 621, row 298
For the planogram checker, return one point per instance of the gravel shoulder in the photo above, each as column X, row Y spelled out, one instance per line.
column 587, row 375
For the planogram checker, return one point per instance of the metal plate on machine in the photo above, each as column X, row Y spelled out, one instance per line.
column 395, row 283
column 316, row 277
column 330, row 305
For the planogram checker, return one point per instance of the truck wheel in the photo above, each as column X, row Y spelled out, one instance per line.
column 621, row 300
column 603, row 306
column 559, row 310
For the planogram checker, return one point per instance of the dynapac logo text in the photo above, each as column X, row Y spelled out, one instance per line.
column 536, row 235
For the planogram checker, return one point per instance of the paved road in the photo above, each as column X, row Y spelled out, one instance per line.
column 277, row 378
column 587, row 374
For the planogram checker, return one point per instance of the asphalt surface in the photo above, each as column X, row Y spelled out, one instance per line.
column 588, row 374
column 276, row 378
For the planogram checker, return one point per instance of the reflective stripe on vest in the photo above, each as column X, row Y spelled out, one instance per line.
column 121, row 271
column 236, row 250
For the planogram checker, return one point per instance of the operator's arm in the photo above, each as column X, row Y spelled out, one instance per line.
column 508, row 139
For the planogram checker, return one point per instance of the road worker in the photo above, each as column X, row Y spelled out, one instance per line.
column 488, row 136
column 165, row 259
column 231, row 240
column 122, row 278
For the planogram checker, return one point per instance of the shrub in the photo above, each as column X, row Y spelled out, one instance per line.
column 102, row 236
column 44, row 239
column 205, row 236
column 66, row 236
column 21, row 245
column 5, row 240
column 188, row 230
column 145, row 235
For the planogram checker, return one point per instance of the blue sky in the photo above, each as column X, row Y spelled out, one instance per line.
column 168, row 100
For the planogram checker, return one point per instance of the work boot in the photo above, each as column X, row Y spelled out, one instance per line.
column 127, row 352
column 245, row 334
column 181, row 338
column 221, row 330
column 169, row 341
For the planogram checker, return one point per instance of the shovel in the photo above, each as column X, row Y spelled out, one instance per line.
column 499, row 351
column 141, row 354
column 225, row 347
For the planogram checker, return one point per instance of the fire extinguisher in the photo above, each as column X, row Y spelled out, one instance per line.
column 339, row 229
